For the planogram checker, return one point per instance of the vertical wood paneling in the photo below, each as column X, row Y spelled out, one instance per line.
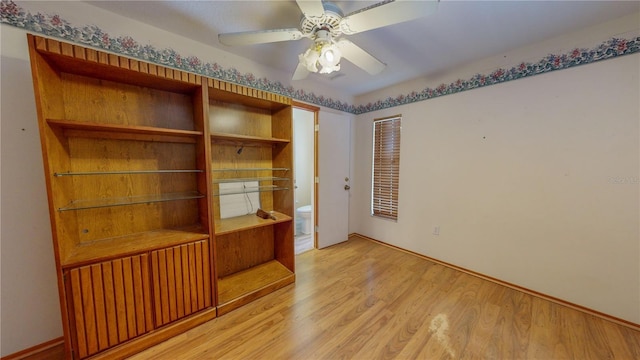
column 181, row 286
column 148, row 304
column 79, row 53
column 103, row 58
column 163, row 289
column 99, row 303
column 89, row 309
column 124, row 63
column 177, row 261
column 114, row 60
column 121, row 308
column 134, row 65
column 192, row 277
column 171, row 285
column 185, row 279
column 206, row 280
column 67, row 49
column 128, row 296
column 110, row 302
column 76, row 296
column 138, row 294
column 199, row 276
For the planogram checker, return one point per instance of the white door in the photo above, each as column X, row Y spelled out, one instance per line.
column 333, row 169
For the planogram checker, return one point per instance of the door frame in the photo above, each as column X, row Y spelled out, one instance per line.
column 316, row 186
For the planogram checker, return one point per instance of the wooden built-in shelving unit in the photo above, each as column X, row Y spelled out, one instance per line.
column 251, row 141
column 134, row 158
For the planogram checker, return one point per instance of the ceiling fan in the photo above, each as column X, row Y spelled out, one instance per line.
column 324, row 23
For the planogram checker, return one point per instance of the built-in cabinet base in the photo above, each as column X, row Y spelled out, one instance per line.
column 245, row 286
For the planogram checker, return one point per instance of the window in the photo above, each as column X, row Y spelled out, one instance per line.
column 386, row 167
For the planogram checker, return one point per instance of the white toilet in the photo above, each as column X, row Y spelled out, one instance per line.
column 304, row 213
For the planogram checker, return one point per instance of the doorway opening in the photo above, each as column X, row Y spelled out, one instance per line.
column 305, row 160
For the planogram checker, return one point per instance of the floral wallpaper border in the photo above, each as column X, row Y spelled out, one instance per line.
column 91, row 35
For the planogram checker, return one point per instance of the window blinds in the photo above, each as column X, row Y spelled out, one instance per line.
column 386, row 167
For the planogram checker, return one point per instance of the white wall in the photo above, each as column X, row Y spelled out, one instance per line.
column 303, row 124
column 535, row 182
column 30, row 309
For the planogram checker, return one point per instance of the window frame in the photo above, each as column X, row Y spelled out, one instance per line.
column 385, row 167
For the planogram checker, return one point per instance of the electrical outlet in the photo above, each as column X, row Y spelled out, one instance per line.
column 436, row 230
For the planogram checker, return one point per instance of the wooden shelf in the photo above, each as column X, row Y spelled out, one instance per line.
column 125, row 132
column 246, row 139
column 133, row 244
column 242, row 287
column 246, row 222
column 125, row 172
column 76, row 59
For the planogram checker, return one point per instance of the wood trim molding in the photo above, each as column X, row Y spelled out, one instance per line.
column 42, row 351
column 316, row 174
column 306, row 106
column 540, row 295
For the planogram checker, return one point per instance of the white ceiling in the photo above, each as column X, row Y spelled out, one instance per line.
column 458, row 33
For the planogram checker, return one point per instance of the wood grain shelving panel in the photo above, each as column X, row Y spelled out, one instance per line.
column 127, row 132
column 132, row 244
column 246, row 222
column 252, row 280
column 246, row 139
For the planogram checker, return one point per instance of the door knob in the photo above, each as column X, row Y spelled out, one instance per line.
column 347, row 187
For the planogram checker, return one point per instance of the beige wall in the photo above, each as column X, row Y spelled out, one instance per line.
column 535, row 182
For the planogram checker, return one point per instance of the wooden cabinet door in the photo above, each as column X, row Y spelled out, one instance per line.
column 110, row 302
column 181, row 281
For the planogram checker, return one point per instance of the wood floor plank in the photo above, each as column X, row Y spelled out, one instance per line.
column 410, row 311
column 362, row 300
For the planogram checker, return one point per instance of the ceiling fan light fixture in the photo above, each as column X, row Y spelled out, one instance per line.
column 309, row 59
column 322, row 57
column 329, row 58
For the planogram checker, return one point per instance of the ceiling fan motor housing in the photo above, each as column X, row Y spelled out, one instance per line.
column 329, row 21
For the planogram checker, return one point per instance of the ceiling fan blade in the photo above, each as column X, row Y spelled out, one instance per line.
column 301, row 72
column 386, row 13
column 259, row 37
column 311, row 8
column 359, row 57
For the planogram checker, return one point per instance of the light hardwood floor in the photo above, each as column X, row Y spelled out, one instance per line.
column 362, row 300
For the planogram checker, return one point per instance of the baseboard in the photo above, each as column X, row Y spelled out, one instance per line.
column 40, row 351
column 540, row 295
